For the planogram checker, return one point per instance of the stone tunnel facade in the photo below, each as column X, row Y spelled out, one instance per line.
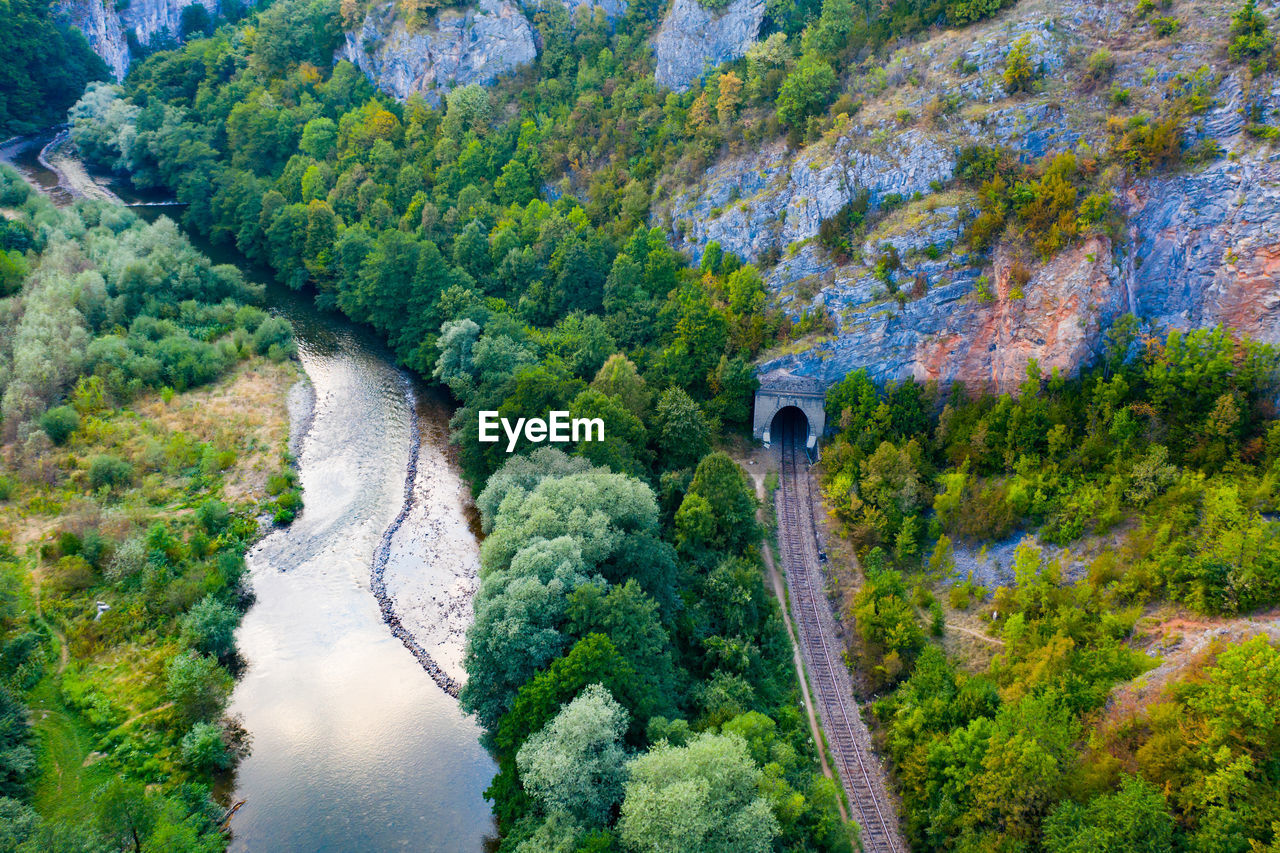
column 779, row 389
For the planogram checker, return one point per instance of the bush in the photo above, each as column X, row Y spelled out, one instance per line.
column 210, row 627
column 107, row 471
column 59, row 423
column 1251, row 40
column 197, row 685
column 213, row 516
column 129, row 559
column 1020, row 73
column 204, row 749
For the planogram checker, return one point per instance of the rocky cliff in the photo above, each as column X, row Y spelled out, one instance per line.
column 1200, row 247
column 107, row 27
column 693, row 38
column 470, row 45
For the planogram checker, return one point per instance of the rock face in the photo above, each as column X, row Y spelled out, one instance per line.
column 102, row 29
column 461, row 46
column 1202, row 249
column 1201, row 246
column 613, row 9
column 1207, row 248
column 692, row 37
column 107, row 29
column 772, row 199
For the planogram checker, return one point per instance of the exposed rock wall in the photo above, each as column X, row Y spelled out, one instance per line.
column 1201, row 246
column 461, row 46
column 102, row 29
column 771, row 199
column 692, row 37
column 106, row 29
column 1207, row 248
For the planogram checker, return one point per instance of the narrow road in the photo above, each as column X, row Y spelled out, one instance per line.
column 847, row 735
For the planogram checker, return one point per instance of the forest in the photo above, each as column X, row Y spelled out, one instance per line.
column 1168, row 451
column 628, row 664
column 112, row 488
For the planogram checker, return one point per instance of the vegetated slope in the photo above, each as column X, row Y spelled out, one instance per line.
column 978, row 198
column 515, row 244
column 131, row 480
column 1169, row 454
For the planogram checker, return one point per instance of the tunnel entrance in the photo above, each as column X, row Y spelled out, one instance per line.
column 780, row 391
column 790, row 422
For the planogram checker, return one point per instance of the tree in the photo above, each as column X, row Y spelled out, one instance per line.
column 1135, row 818
column 197, row 685
column 1020, row 73
column 806, row 92
column 210, row 627
column 1251, row 39
column 729, row 504
column 682, row 434
column 699, row 798
column 17, row 761
column 576, row 763
column 204, row 749
column 619, row 378
column 59, row 423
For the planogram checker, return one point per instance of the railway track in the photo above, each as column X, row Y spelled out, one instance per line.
column 847, row 735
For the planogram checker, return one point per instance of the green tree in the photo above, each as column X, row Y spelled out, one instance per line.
column 576, row 763
column 1135, row 818
column 59, row 423
column 197, row 685
column 699, row 798
column 682, row 434
column 1020, row 72
column 210, row 627
column 1251, row 39
column 806, row 91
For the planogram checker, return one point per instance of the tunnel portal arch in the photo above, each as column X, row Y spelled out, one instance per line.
column 780, row 389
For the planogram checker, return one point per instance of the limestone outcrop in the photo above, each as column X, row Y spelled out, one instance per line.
column 474, row 44
column 693, row 38
column 107, row 27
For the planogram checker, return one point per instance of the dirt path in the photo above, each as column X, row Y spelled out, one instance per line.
column 995, row 641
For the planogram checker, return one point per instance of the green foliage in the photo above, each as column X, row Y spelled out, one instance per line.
column 1251, row 40
column 702, row 798
column 204, row 749
column 59, row 423
column 197, row 686
column 575, row 764
column 1020, row 70
column 806, row 91
column 209, row 627
column 46, row 67
column 109, row 472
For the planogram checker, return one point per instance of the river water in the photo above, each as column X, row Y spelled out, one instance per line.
column 354, row 746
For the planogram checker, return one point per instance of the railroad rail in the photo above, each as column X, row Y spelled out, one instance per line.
column 847, row 735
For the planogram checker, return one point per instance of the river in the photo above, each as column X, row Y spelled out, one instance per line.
column 354, row 746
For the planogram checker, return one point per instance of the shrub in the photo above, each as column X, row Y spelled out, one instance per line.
column 805, row 92
column 129, row 559
column 204, row 749
column 59, row 423
column 1099, row 67
column 1020, row 72
column 210, row 627
column 1251, row 40
column 108, row 471
column 213, row 516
